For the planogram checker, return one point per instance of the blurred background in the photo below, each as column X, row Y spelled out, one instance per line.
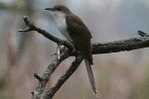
column 123, row 75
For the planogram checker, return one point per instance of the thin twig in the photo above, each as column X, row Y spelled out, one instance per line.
column 143, row 34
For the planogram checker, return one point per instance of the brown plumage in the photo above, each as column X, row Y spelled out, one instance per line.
column 80, row 37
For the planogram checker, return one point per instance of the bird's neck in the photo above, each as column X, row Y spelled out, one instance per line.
column 60, row 20
column 58, row 16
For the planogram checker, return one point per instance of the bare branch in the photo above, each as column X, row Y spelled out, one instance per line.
column 116, row 46
column 32, row 27
column 122, row 45
column 98, row 48
column 36, row 94
column 49, row 93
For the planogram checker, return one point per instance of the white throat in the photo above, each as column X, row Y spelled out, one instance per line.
column 60, row 20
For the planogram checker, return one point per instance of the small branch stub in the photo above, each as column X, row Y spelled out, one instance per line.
column 38, row 77
column 143, row 34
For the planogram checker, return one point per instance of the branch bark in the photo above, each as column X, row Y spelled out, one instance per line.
column 43, row 80
column 122, row 45
column 49, row 93
column 41, row 92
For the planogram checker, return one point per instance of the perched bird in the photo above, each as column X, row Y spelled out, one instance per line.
column 77, row 33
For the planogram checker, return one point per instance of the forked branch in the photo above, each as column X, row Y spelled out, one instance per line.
column 41, row 92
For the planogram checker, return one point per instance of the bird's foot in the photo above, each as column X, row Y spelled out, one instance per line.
column 59, row 50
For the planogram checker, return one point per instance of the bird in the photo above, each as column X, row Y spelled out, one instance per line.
column 77, row 33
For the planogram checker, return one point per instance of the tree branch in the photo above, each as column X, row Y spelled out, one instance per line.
column 49, row 93
column 43, row 80
column 41, row 92
column 122, row 45
column 32, row 27
column 98, row 48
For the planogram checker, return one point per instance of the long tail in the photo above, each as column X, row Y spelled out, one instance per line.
column 90, row 75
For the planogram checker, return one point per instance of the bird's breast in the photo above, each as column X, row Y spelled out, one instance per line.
column 62, row 26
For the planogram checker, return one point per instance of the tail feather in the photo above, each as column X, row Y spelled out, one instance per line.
column 90, row 75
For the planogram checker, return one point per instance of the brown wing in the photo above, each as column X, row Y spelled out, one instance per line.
column 80, row 35
column 76, row 26
column 81, row 39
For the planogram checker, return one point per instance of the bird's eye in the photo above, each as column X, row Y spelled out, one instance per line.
column 59, row 9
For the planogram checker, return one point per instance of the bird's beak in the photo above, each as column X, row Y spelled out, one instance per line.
column 49, row 9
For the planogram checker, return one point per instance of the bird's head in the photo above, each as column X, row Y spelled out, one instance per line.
column 59, row 9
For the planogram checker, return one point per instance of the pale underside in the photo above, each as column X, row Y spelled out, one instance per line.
column 60, row 21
